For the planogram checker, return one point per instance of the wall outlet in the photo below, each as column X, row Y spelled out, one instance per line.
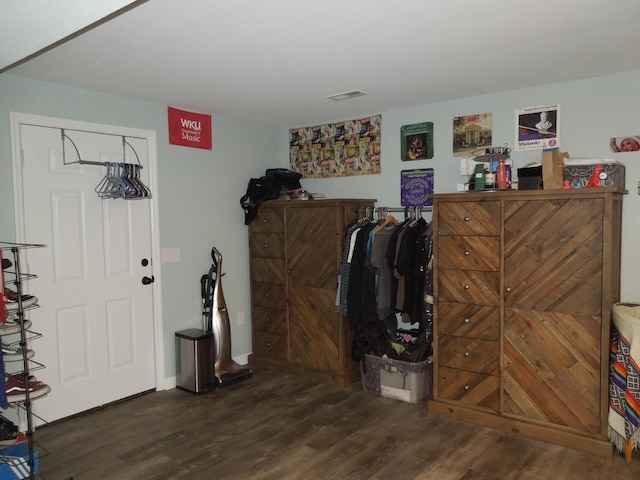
column 241, row 318
column 170, row 255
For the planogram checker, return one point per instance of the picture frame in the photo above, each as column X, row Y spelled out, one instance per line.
column 416, row 141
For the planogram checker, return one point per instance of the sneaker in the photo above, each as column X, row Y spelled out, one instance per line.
column 11, row 353
column 6, row 263
column 11, row 300
column 13, row 326
column 17, row 388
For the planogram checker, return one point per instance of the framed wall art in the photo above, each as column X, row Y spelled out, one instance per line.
column 416, row 141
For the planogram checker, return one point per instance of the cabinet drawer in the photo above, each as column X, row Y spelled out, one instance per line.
column 469, row 286
column 482, row 356
column 467, row 320
column 468, row 218
column 266, row 245
column 268, row 270
column 470, row 388
column 268, row 319
column 268, row 295
column 472, row 253
column 269, row 220
column 270, row 345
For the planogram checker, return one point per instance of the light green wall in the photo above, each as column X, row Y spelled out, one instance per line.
column 198, row 194
column 593, row 111
column 199, row 190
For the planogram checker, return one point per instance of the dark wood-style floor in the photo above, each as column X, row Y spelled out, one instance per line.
column 275, row 426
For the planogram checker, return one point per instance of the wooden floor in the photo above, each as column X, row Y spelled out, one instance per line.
column 275, row 426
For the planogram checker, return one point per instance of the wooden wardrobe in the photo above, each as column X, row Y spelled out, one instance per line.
column 524, row 282
column 296, row 250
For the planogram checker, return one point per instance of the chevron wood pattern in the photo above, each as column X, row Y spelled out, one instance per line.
column 467, row 218
column 557, row 278
column 553, row 255
column 469, row 252
column 296, row 249
column 468, row 320
column 469, row 286
column 469, row 388
column 552, row 368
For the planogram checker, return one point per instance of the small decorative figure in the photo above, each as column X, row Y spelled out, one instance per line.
column 596, row 175
column 566, row 185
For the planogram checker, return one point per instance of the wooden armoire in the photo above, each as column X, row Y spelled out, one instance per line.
column 296, row 249
column 524, row 282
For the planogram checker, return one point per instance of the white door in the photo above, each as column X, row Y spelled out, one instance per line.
column 96, row 316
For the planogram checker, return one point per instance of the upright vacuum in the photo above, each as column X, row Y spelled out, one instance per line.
column 216, row 320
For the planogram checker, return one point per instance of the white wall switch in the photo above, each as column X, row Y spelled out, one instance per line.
column 170, row 255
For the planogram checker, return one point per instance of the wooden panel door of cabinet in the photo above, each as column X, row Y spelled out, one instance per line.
column 552, row 326
column 553, row 255
column 314, row 333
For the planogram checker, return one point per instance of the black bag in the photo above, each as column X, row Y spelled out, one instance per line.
column 271, row 186
column 284, row 179
column 258, row 190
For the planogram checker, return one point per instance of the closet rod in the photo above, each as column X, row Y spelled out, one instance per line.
column 91, row 162
column 425, row 208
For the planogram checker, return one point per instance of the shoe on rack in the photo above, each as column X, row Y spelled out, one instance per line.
column 6, row 263
column 11, row 353
column 11, row 300
column 17, row 388
column 8, row 436
column 13, row 326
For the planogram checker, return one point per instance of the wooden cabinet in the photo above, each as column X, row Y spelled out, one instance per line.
column 296, row 250
column 524, row 283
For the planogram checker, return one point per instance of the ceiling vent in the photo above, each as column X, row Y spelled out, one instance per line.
column 343, row 96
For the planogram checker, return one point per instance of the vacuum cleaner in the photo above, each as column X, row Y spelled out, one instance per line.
column 216, row 320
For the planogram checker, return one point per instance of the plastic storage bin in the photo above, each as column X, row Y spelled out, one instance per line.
column 195, row 358
column 406, row 381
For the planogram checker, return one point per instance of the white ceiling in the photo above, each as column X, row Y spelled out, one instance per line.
column 276, row 61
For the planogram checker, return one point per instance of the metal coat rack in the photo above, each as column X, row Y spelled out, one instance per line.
column 122, row 179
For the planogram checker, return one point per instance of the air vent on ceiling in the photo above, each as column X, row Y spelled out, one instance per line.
column 345, row 95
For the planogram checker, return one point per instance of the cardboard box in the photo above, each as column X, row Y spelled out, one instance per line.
column 14, row 461
column 406, row 381
column 579, row 175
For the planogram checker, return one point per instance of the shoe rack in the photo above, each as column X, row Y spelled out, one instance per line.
column 21, row 387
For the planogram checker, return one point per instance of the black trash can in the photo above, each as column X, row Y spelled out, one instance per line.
column 195, row 358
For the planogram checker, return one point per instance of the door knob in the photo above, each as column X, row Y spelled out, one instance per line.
column 147, row 280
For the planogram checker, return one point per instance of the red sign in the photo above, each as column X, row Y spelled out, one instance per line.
column 190, row 129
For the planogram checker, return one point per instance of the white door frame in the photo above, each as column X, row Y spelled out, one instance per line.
column 18, row 119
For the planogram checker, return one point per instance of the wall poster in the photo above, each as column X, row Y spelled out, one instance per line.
column 415, row 186
column 337, row 149
column 537, row 127
column 416, row 141
column 472, row 134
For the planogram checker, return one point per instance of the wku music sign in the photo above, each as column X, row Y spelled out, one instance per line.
column 189, row 129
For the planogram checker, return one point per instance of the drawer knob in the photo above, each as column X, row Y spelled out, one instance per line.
column 466, row 320
column 266, row 294
column 508, row 289
column 466, row 219
column 266, row 270
column 466, row 286
column 466, row 253
column 269, row 344
column 265, row 220
column 268, row 320
column 467, row 354
column 466, row 388
column 289, row 272
column 266, row 245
